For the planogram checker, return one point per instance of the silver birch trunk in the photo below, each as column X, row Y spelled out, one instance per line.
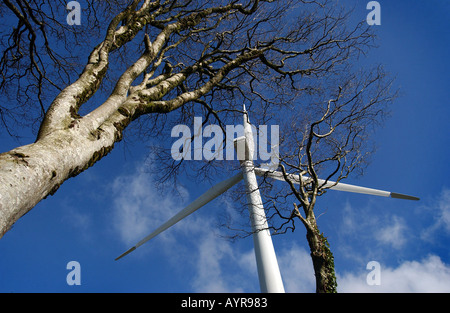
column 68, row 144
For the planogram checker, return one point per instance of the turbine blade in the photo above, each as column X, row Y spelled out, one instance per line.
column 354, row 189
column 401, row 196
column 126, row 252
column 208, row 196
column 335, row 186
column 276, row 175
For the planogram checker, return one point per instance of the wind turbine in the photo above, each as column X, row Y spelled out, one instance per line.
column 270, row 280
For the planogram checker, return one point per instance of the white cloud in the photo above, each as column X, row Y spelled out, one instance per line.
column 219, row 267
column 218, row 264
column 444, row 207
column 297, row 270
column 139, row 207
column 428, row 275
column 209, row 271
column 393, row 234
column 364, row 233
column 443, row 210
column 379, row 232
column 440, row 210
column 76, row 219
column 223, row 266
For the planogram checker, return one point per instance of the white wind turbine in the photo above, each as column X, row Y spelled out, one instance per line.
column 268, row 271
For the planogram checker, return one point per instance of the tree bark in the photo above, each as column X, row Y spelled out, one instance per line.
column 30, row 173
column 323, row 261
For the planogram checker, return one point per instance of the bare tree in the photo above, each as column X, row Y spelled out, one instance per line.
column 38, row 56
column 185, row 58
column 329, row 144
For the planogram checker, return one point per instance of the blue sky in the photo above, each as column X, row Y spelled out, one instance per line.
column 96, row 216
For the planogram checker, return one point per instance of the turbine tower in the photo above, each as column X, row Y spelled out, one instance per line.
column 266, row 261
column 270, row 280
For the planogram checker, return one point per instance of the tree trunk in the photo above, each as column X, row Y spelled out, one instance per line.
column 30, row 173
column 323, row 261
